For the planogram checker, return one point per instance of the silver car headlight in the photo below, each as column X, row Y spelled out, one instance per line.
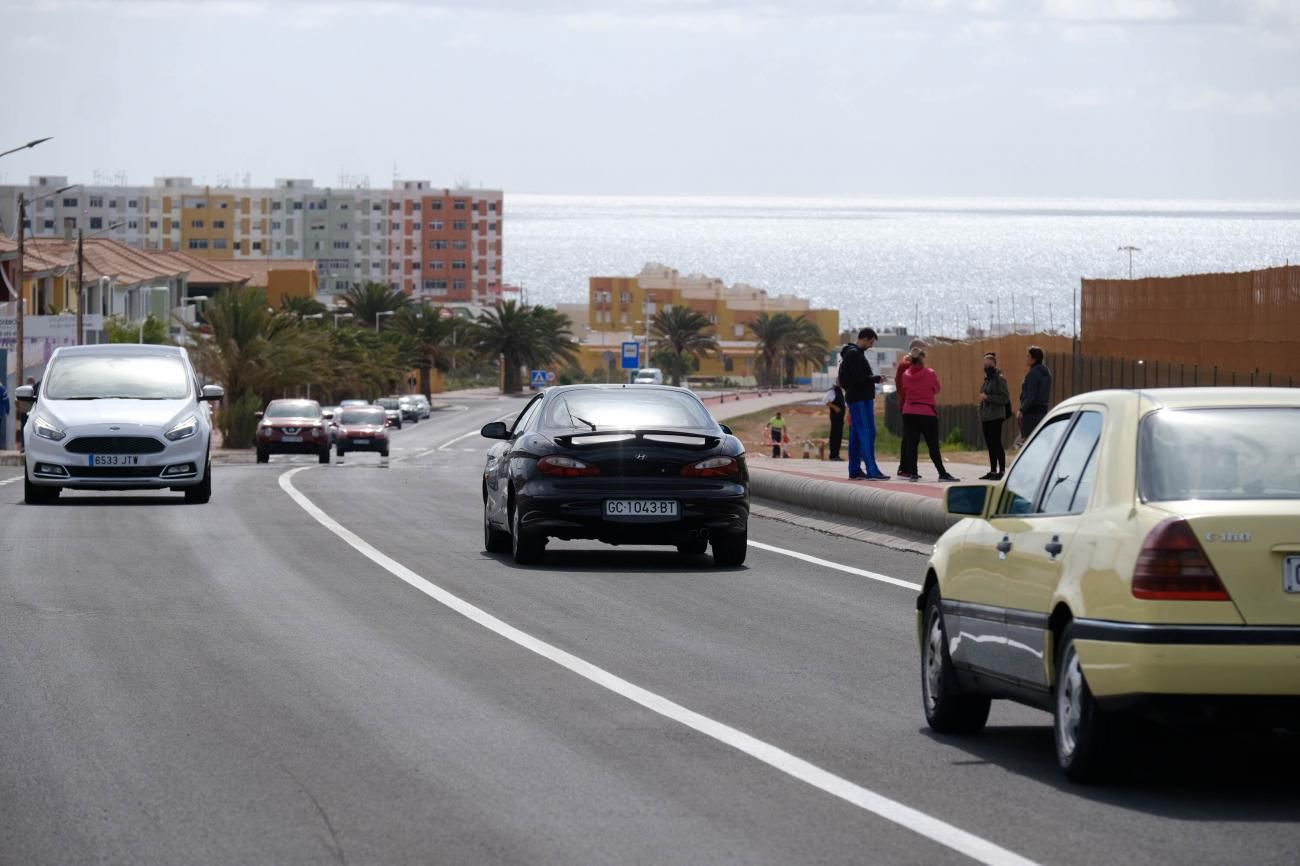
column 46, row 430
column 184, row 430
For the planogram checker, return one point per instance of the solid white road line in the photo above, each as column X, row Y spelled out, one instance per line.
column 11, row 480
column 826, row 563
column 978, row 849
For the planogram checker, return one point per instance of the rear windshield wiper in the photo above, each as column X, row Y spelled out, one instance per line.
column 583, row 420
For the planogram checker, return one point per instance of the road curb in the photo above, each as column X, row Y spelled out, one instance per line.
column 917, row 513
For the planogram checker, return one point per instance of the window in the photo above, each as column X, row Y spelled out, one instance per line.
column 343, row 206
column 415, row 206
column 276, row 205
column 460, row 245
column 112, row 202
column 297, row 205
column 492, row 227
column 474, row 226
column 132, row 224
column 738, row 330
column 624, row 297
column 492, row 206
column 1027, row 474
column 343, row 245
column 196, row 224
column 436, row 285
column 437, row 245
column 316, row 245
column 1221, row 454
column 460, row 226
column 224, row 205
column 153, row 224
column 377, row 208
column 96, row 201
column 415, row 266
column 198, row 244
column 219, row 244
column 132, row 203
column 96, row 222
column 343, row 227
column 257, row 245
column 395, row 227
column 435, row 205
column 275, row 225
column 728, row 364
column 459, row 265
column 218, row 224
column 435, row 265
column 458, row 284
column 1070, row 481
column 459, row 204
column 435, row 226
column 69, row 202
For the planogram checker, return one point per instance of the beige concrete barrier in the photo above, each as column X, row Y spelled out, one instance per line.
column 862, row 503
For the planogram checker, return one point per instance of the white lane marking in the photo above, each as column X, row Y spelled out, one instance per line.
column 444, row 446
column 978, row 849
column 11, row 480
column 826, row 563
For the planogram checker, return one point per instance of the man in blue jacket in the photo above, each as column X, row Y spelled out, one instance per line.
column 859, row 384
column 1035, row 393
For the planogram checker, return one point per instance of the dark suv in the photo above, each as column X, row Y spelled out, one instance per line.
column 292, row 427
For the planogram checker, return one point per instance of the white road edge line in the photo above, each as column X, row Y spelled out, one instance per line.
column 11, row 480
column 978, row 849
column 826, row 563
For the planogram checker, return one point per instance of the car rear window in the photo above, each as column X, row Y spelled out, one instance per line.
column 625, row 408
column 293, row 410
column 100, row 377
column 1220, row 454
column 362, row 416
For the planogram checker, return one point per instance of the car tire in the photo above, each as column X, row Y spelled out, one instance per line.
column 729, row 549
column 34, row 494
column 324, row 456
column 263, row 456
column 525, row 547
column 949, row 709
column 201, row 493
column 494, row 540
column 693, row 546
column 1084, row 732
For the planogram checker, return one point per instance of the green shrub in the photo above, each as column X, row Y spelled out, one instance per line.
column 237, row 423
column 955, row 438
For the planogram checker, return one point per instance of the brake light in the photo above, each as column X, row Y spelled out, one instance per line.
column 1173, row 567
column 565, row 467
column 714, row 467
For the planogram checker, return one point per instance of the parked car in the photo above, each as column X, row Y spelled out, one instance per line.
column 118, row 417
column 292, row 427
column 361, row 428
column 617, row 464
column 392, row 411
column 354, row 402
column 422, row 404
column 1141, row 558
column 649, row 376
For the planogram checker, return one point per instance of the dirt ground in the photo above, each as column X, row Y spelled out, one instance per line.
column 809, row 428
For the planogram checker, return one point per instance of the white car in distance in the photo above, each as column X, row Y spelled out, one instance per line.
column 118, row 417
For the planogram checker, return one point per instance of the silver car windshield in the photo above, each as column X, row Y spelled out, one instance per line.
column 103, row 377
column 1220, row 454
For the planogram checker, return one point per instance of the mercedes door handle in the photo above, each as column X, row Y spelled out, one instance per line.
column 1054, row 547
column 1004, row 547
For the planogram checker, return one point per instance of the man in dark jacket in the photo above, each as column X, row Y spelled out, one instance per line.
column 859, row 384
column 1035, row 393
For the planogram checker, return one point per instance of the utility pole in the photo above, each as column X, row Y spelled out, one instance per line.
column 22, row 218
column 81, row 293
column 1130, row 250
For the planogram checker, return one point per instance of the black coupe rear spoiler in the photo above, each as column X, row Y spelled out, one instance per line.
column 679, row 438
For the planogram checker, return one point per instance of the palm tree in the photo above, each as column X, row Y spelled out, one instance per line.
column 784, row 342
column 366, row 301
column 682, row 341
column 426, row 337
column 521, row 336
column 302, row 306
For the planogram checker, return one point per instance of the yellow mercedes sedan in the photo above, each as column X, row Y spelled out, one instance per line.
column 1141, row 557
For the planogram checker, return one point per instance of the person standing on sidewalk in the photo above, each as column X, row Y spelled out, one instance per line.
column 836, row 406
column 776, row 432
column 906, row 469
column 859, row 384
column 922, row 391
column 995, row 409
column 1035, row 393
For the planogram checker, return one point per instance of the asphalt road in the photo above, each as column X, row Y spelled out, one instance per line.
column 326, row 667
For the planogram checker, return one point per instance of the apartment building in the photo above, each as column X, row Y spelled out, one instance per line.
column 437, row 244
column 618, row 309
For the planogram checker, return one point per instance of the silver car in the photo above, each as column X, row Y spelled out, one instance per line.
column 118, row 417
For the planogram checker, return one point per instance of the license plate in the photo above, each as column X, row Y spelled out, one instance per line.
column 290, row 438
column 360, row 441
column 663, row 508
column 1291, row 574
column 114, row 460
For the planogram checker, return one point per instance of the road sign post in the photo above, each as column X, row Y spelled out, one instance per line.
column 537, row 378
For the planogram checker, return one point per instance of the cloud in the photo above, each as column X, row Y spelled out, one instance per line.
column 1256, row 103
column 1111, row 10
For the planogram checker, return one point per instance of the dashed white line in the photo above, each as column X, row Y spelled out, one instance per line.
column 16, row 478
column 826, row 563
column 978, row 849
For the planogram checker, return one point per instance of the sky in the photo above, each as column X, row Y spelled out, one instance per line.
column 1192, row 99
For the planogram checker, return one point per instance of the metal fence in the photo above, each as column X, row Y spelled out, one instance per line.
column 1078, row 374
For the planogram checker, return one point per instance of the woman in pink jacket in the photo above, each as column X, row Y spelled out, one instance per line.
column 920, row 416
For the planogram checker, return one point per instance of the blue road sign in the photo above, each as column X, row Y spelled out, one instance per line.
column 631, row 355
column 537, row 378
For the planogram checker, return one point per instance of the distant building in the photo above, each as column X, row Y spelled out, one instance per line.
column 619, row 308
column 438, row 244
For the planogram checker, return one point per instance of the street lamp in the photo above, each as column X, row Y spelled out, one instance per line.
column 1130, row 250
column 18, row 267
column 81, row 295
column 380, row 315
column 338, row 316
column 25, row 146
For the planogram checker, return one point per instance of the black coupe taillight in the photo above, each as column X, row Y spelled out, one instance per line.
column 565, row 467
column 714, row 467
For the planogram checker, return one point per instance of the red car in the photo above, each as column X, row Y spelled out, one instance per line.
column 292, row 427
column 361, row 428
